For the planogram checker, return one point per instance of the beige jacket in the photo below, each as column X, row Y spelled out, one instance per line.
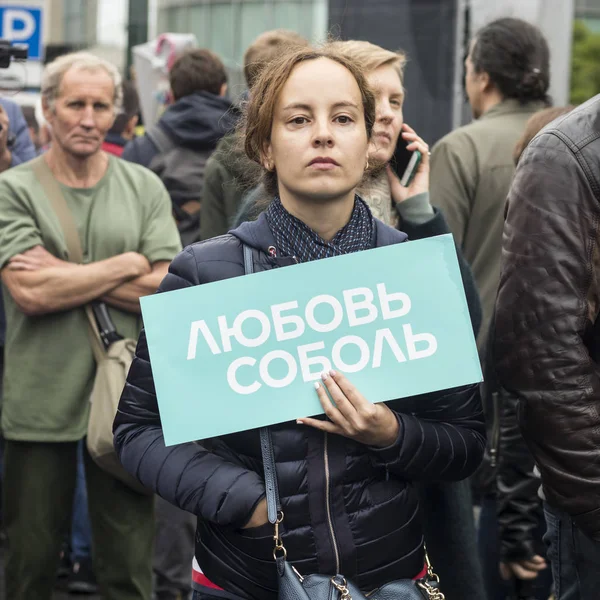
column 471, row 172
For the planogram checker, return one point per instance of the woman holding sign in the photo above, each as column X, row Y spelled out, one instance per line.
column 393, row 144
column 348, row 502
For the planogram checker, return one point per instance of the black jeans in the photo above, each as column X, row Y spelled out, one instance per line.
column 575, row 558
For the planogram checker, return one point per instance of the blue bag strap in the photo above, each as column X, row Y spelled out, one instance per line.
column 266, row 443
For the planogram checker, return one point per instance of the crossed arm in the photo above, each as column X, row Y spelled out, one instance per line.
column 40, row 283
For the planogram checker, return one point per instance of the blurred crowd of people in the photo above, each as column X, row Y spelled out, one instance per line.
column 529, row 266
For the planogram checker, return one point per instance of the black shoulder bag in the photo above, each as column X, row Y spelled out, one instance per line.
column 293, row 585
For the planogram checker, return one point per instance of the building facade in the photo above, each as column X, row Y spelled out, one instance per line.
column 228, row 27
column 433, row 33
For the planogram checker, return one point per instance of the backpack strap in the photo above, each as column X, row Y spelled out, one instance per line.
column 160, row 138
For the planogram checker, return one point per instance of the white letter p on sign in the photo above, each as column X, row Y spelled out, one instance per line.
column 17, row 25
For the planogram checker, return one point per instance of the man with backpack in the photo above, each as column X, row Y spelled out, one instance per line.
column 178, row 146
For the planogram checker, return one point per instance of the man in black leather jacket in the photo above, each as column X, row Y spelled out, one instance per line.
column 546, row 335
column 508, row 474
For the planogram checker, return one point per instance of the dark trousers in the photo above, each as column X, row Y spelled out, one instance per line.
column 81, row 530
column 451, row 538
column 39, row 483
column 575, row 558
column 173, row 552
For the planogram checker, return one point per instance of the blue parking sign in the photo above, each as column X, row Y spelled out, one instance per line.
column 22, row 25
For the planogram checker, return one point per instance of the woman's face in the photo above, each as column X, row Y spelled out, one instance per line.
column 389, row 95
column 318, row 142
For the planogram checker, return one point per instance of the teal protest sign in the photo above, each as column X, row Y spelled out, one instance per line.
column 245, row 352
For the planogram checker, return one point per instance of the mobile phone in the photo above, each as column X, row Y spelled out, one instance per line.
column 405, row 162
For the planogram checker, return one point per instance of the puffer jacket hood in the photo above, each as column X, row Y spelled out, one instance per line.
column 196, row 122
column 200, row 120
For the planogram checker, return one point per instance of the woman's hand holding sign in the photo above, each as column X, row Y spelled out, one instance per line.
column 352, row 415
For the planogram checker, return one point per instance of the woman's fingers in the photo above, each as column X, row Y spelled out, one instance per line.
column 399, row 192
column 356, row 399
column 341, row 412
column 407, row 128
column 414, row 142
column 326, row 426
column 359, row 412
column 332, row 379
column 419, row 145
column 333, row 411
column 336, row 419
column 352, row 415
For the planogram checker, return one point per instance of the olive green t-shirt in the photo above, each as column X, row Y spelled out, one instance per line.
column 49, row 365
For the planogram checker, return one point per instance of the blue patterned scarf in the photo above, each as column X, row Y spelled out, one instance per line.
column 294, row 238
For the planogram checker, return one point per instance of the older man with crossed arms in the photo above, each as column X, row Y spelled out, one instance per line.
column 123, row 216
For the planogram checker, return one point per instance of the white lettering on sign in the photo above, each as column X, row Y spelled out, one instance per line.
column 322, row 362
column 288, row 359
column 354, row 306
column 237, row 332
column 287, row 321
column 232, row 376
column 385, row 299
column 412, row 340
column 363, row 361
column 388, row 336
column 17, row 25
column 280, row 321
column 338, row 313
column 202, row 327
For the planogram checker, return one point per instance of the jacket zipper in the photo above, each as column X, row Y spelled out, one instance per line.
column 327, row 503
column 495, row 442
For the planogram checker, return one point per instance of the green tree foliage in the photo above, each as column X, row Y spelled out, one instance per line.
column 585, row 63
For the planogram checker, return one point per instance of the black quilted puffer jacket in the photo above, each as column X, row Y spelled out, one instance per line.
column 349, row 508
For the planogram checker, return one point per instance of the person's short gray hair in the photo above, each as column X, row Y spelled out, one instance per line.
column 55, row 71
